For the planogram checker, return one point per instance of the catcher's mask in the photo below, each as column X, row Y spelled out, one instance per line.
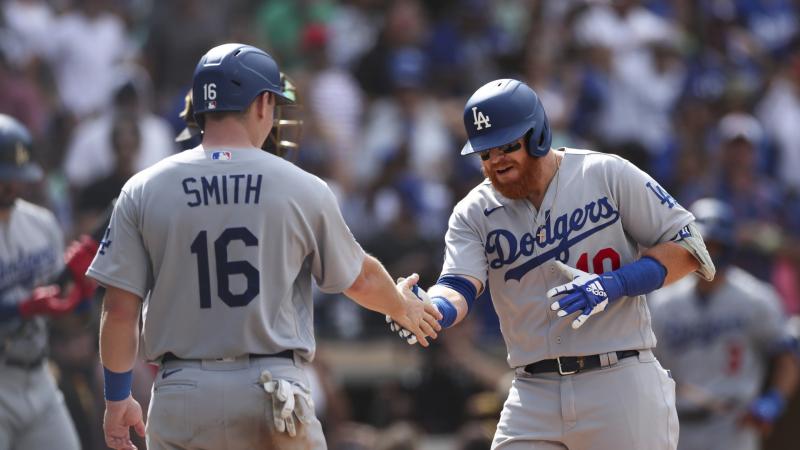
column 287, row 124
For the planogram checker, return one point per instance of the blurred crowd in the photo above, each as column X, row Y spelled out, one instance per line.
column 704, row 95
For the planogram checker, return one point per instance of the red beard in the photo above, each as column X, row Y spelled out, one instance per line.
column 520, row 188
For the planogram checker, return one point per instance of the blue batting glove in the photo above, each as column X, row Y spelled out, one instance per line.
column 587, row 292
column 768, row 407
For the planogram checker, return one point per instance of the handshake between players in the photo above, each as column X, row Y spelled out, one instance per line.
column 451, row 297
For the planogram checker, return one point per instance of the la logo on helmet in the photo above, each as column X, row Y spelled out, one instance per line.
column 480, row 120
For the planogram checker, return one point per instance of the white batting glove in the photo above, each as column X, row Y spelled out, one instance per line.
column 288, row 401
column 586, row 293
column 395, row 327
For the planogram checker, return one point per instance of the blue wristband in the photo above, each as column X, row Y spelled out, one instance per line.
column 461, row 285
column 449, row 312
column 638, row 278
column 769, row 406
column 117, row 385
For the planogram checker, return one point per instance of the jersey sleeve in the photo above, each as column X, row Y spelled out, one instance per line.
column 122, row 260
column 337, row 258
column 464, row 250
column 649, row 214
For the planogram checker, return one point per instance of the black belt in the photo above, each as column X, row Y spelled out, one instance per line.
column 289, row 354
column 695, row 415
column 27, row 365
column 567, row 365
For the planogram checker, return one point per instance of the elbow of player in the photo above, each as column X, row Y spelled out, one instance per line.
column 361, row 285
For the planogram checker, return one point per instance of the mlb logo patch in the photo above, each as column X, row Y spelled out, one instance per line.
column 212, row 105
column 221, row 156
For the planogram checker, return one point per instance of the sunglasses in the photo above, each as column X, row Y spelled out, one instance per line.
column 510, row 148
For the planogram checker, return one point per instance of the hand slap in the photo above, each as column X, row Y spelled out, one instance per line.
column 419, row 306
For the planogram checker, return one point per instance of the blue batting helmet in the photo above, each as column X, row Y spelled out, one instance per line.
column 15, row 156
column 715, row 220
column 502, row 111
column 230, row 76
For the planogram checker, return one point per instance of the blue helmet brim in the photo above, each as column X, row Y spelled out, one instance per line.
column 496, row 139
column 28, row 173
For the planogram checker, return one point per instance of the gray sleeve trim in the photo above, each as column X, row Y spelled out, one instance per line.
column 337, row 289
column 106, row 280
column 689, row 238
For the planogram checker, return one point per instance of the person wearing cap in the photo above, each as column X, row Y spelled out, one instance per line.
column 738, row 178
column 215, row 248
column 568, row 242
column 33, row 414
column 718, row 338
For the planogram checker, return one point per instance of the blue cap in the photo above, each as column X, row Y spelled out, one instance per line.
column 501, row 112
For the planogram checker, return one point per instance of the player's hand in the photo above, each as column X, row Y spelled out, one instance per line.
column 78, row 257
column 586, row 293
column 764, row 411
column 118, row 419
column 395, row 327
column 421, row 318
column 47, row 301
column 44, row 301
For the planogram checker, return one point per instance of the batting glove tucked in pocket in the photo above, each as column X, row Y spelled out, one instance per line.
column 289, row 400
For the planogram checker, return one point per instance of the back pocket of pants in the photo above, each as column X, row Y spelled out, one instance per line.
column 167, row 419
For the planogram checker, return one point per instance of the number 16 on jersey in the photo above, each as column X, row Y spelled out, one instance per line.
column 225, row 268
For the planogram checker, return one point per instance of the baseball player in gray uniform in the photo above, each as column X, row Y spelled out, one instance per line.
column 717, row 338
column 33, row 415
column 537, row 232
column 217, row 246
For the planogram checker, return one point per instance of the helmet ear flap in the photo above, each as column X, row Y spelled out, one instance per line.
column 539, row 140
column 530, row 143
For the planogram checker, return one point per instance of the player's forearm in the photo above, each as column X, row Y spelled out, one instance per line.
column 676, row 259
column 456, row 299
column 375, row 290
column 119, row 331
column 786, row 375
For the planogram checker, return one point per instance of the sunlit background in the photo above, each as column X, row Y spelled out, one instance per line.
column 704, row 95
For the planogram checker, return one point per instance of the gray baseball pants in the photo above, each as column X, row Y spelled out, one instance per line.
column 214, row 404
column 33, row 415
column 629, row 405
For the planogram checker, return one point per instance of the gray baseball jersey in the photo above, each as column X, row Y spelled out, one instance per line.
column 597, row 213
column 32, row 409
column 31, row 252
column 718, row 346
column 222, row 245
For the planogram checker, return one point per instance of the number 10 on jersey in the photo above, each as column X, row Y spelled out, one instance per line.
column 598, row 262
column 225, row 268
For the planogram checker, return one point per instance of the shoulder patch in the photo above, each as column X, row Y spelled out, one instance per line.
column 662, row 194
